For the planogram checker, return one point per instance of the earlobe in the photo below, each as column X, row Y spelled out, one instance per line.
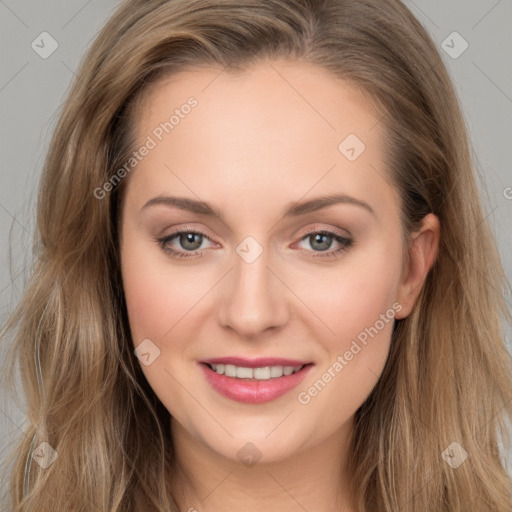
column 423, row 250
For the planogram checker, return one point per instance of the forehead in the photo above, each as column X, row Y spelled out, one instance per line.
column 279, row 130
column 271, row 89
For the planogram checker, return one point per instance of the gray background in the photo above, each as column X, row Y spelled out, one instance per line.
column 32, row 90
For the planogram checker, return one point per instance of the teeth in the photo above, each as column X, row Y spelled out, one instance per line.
column 263, row 373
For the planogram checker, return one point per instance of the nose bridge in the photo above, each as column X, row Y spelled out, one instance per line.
column 255, row 300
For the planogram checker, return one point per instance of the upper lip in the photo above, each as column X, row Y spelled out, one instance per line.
column 255, row 363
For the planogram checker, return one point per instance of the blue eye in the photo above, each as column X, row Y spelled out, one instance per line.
column 323, row 241
column 191, row 241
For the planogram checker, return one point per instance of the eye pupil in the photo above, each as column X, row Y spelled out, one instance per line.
column 187, row 238
column 317, row 237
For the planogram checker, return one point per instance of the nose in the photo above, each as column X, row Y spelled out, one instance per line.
column 254, row 298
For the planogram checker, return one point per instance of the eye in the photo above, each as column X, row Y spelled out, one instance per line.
column 322, row 240
column 189, row 240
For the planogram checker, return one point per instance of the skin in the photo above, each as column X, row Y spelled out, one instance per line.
column 257, row 141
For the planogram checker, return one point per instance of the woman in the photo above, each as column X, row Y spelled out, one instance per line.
column 263, row 278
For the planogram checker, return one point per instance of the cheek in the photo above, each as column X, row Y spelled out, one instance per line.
column 159, row 300
column 157, row 294
column 359, row 309
column 149, row 309
column 357, row 302
column 351, row 296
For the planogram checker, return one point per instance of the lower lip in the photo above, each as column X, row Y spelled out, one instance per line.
column 254, row 391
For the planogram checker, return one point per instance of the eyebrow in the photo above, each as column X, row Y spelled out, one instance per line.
column 293, row 209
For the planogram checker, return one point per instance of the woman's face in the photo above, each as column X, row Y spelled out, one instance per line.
column 279, row 153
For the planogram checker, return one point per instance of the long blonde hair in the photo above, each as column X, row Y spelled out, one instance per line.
column 448, row 378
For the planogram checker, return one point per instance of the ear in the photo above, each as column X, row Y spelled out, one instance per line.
column 423, row 249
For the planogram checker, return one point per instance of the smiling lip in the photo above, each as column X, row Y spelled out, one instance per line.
column 255, row 363
column 253, row 391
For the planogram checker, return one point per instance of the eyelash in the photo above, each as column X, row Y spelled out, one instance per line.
column 346, row 243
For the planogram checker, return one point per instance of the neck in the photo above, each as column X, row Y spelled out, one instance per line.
column 313, row 479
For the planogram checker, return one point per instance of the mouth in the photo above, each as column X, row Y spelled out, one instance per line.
column 254, row 384
column 257, row 373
